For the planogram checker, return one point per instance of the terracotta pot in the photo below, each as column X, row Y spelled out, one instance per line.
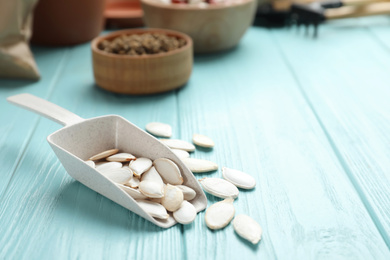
column 67, row 22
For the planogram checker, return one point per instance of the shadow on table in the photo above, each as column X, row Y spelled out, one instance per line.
column 94, row 208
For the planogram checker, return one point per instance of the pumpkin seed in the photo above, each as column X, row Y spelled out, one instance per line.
column 152, row 175
column 90, row 163
column 188, row 193
column 185, row 214
column 159, row 129
column 181, row 153
column 202, row 140
column 134, row 193
column 154, row 209
column 200, row 165
column 103, row 154
column 120, row 175
column 220, row 214
column 157, row 200
column 108, row 166
column 219, row 187
column 173, row 197
column 247, row 228
column 238, row 178
column 178, row 144
column 168, row 170
column 151, row 189
column 121, row 157
column 133, row 182
column 140, row 165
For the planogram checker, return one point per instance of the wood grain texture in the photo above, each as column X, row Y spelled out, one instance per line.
column 251, row 104
column 351, row 101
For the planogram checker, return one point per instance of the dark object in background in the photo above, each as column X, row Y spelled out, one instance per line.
column 67, row 22
column 268, row 16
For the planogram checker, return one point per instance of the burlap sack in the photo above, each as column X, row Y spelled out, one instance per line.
column 16, row 59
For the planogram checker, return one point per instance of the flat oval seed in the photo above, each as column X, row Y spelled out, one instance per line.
column 140, row 165
column 181, row 153
column 185, row 214
column 178, row 144
column 199, row 165
column 154, row 209
column 238, row 178
column 219, row 187
column 108, row 166
column 168, row 170
column 134, row 193
column 220, row 214
column 188, row 193
column 173, row 197
column 159, row 129
column 247, row 228
column 152, row 175
column 151, row 189
column 103, row 154
column 121, row 157
column 202, row 140
column 120, row 175
column 90, row 163
column 133, row 182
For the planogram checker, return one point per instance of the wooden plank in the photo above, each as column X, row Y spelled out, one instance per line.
column 17, row 127
column 350, row 98
column 248, row 101
column 49, row 215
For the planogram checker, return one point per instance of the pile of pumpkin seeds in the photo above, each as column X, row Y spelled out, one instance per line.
column 220, row 214
column 157, row 186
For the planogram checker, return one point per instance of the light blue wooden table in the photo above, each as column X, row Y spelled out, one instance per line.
column 308, row 118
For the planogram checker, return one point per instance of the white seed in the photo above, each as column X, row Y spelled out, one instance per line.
column 133, row 182
column 157, row 200
column 173, row 197
column 103, row 154
column 199, row 165
column 168, row 170
column 247, row 228
column 159, row 129
column 188, row 193
column 90, row 163
column 108, row 166
column 152, row 175
column 140, row 165
column 181, row 153
column 220, row 214
column 238, row 178
column 151, row 189
column 178, row 144
column 120, row 175
column 219, row 187
column 185, row 214
column 202, row 140
column 154, row 209
column 121, row 157
column 134, row 193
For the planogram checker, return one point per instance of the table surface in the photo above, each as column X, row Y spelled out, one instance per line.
column 308, row 118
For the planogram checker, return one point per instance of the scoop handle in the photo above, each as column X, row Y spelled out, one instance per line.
column 45, row 108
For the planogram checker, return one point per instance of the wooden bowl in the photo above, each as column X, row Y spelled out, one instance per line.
column 145, row 74
column 213, row 28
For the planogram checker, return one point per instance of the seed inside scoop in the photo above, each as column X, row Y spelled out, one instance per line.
column 220, row 214
column 199, row 165
column 140, row 165
column 178, row 144
column 103, row 154
column 151, row 189
column 121, row 157
column 238, row 178
column 108, row 166
column 188, row 193
column 120, row 175
column 247, row 228
column 173, row 197
column 152, row 175
column 159, row 129
column 219, row 187
column 168, row 171
column 185, row 214
column 134, row 193
column 90, row 163
column 154, row 209
column 202, row 140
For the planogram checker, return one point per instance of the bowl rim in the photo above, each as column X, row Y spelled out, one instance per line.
column 98, row 39
column 181, row 7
